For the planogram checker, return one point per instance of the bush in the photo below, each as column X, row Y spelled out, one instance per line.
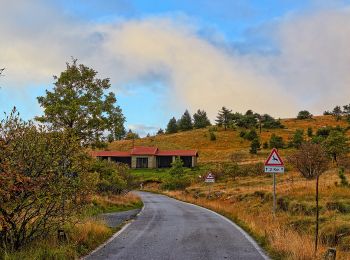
column 255, row 146
column 304, row 114
column 44, row 180
column 176, row 183
column 212, row 136
column 177, row 167
column 276, row 141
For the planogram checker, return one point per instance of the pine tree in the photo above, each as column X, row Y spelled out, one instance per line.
column 172, row 126
column 223, row 117
column 185, row 123
column 160, row 131
column 200, row 119
column 337, row 112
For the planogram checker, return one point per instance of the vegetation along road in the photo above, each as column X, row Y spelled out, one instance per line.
column 171, row 229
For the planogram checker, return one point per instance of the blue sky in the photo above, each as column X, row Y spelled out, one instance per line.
column 167, row 56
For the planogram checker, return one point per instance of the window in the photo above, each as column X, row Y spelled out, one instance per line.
column 142, row 162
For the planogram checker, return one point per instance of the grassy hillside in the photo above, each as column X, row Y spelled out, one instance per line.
column 227, row 142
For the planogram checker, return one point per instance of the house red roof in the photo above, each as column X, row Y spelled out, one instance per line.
column 142, row 150
column 110, row 153
column 178, row 153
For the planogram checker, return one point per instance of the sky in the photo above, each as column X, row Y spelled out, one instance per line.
column 166, row 56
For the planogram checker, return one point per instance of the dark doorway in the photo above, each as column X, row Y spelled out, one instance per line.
column 187, row 160
column 164, row 161
column 125, row 160
column 142, row 162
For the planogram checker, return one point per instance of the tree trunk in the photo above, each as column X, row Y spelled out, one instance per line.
column 317, row 215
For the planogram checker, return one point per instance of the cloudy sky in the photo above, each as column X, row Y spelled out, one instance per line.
column 165, row 56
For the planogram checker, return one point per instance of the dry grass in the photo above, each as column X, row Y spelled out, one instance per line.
column 241, row 200
column 227, row 142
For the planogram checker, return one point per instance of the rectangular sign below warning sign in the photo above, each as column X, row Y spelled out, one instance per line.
column 276, row 169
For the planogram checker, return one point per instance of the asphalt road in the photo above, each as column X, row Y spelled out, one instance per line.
column 169, row 229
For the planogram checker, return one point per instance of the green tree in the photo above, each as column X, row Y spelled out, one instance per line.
column 337, row 112
column 276, row 141
column 160, row 131
column 177, row 167
column 336, row 144
column 346, row 112
column 200, row 119
column 298, row 138
column 251, row 135
column 172, row 126
column 79, row 104
column 223, row 117
column 311, row 161
column 44, row 178
column 185, row 122
column 304, row 114
column 269, row 122
column 255, row 146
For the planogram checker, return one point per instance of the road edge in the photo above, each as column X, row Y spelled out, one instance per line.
column 114, row 235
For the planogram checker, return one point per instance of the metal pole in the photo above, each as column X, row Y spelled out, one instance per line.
column 274, row 194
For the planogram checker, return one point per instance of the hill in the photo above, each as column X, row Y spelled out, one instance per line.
column 227, row 142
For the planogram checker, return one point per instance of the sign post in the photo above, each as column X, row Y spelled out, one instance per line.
column 274, row 164
column 209, row 179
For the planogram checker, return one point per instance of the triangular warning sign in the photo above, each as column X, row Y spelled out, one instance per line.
column 210, row 176
column 274, row 159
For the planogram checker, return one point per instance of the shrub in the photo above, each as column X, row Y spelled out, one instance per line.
column 176, row 183
column 212, row 136
column 255, row 146
column 177, row 167
column 342, row 177
column 251, row 135
column 309, row 132
column 44, row 180
column 304, row 114
column 276, row 141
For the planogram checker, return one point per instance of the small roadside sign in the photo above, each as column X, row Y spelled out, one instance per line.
column 210, row 178
column 274, row 163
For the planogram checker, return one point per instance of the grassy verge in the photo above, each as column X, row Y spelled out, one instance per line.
column 83, row 236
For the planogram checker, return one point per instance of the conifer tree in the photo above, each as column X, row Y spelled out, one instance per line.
column 172, row 126
column 185, row 123
column 200, row 119
column 223, row 117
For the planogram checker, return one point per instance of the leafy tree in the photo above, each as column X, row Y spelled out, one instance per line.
column 311, row 161
column 346, row 112
column 172, row 126
column 177, row 167
column 336, row 144
column 200, row 119
column 160, row 131
column 185, row 123
column 270, row 123
column 276, row 141
column 255, row 146
column 327, row 113
column 44, row 178
column 79, row 104
column 247, row 121
column 337, row 112
column 298, row 138
column 223, row 117
column 304, row 114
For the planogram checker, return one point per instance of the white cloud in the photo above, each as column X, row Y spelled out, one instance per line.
column 310, row 70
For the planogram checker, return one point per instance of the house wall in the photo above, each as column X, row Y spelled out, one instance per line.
column 194, row 161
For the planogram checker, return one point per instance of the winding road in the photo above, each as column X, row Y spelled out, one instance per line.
column 169, row 229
